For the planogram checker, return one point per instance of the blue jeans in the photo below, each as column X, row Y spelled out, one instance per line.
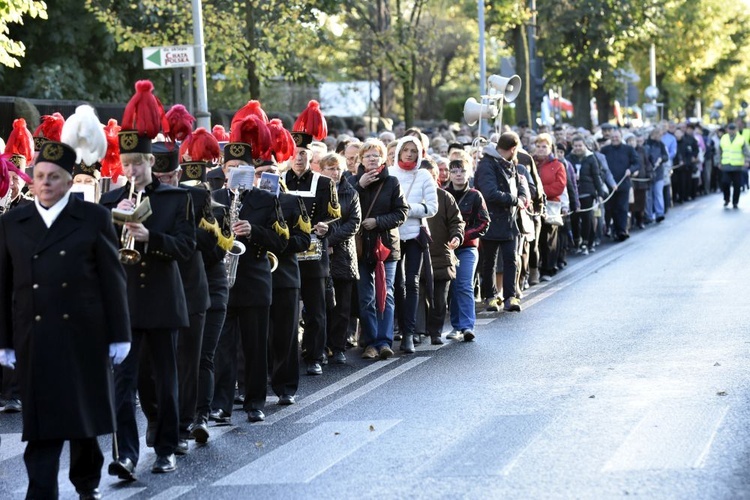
column 657, row 193
column 463, row 314
column 377, row 329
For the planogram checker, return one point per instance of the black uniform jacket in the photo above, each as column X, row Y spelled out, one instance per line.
column 252, row 287
column 155, row 293
column 192, row 270
column 321, row 202
column 293, row 210
column 62, row 302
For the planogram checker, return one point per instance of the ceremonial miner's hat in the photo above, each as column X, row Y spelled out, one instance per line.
column 142, row 120
column 199, row 152
column 19, row 144
column 58, row 153
column 49, row 129
column 85, row 134
column 310, row 125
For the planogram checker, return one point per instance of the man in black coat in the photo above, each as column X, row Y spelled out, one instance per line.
column 283, row 341
column 167, row 170
column 63, row 312
column 321, row 202
column 623, row 162
column 157, row 303
column 259, row 225
column 497, row 179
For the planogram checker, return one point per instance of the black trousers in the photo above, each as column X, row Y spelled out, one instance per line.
column 160, row 346
column 10, row 388
column 617, row 210
column 490, row 248
column 225, row 363
column 284, row 341
column 211, row 333
column 436, row 311
column 339, row 316
column 548, row 249
column 313, row 294
column 733, row 180
column 42, row 459
column 250, row 324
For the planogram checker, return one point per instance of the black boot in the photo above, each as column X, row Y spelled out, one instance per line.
column 407, row 344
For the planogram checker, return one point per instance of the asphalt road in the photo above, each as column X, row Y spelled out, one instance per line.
column 627, row 375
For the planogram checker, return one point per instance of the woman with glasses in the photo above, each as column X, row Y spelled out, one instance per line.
column 477, row 219
column 421, row 195
column 384, row 209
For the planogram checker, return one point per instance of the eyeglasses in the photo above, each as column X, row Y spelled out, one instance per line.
column 371, row 157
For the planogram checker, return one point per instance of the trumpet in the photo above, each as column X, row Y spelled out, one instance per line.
column 128, row 254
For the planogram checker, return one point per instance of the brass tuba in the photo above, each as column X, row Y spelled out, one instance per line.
column 273, row 260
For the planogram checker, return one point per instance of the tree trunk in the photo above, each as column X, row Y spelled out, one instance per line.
column 521, row 49
column 408, row 102
column 603, row 105
column 252, row 71
column 582, row 104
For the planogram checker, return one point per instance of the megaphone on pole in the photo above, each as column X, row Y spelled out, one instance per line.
column 475, row 111
column 509, row 88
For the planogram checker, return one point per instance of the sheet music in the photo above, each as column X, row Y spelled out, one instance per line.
column 241, row 176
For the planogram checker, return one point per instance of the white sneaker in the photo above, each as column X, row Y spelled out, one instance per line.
column 453, row 335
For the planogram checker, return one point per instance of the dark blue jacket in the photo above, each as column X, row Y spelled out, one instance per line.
column 497, row 179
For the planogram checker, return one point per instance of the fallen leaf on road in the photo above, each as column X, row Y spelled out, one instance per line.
column 592, row 396
column 336, row 433
column 721, row 393
column 717, row 364
column 372, row 428
column 259, row 444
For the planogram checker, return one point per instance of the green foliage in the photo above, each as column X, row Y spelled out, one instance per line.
column 12, row 12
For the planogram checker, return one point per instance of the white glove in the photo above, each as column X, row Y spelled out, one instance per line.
column 8, row 358
column 118, row 351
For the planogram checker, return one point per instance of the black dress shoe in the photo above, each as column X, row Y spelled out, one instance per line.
column 436, row 340
column 220, row 416
column 164, row 463
column 124, row 469
column 286, row 400
column 12, row 406
column 338, row 358
column 199, row 432
column 182, row 447
column 239, row 399
column 255, row 416
column 314, row 369
column 94, row 494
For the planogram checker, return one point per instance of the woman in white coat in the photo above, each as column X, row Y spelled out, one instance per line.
column 421, row 195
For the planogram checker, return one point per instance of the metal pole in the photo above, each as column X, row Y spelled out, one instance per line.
column 534, row 75
column 482, row 64
column 203, row 117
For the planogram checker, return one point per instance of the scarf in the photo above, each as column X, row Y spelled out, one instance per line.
column 407, row 165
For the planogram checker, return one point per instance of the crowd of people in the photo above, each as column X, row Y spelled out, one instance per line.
column 248, row 257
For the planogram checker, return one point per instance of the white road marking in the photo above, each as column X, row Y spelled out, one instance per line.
column 329, row 443
column 11, row 446
column 173, row 492
column 344, row 400
column 325, row 392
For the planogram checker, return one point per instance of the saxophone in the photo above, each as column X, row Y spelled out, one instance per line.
column 232, row 258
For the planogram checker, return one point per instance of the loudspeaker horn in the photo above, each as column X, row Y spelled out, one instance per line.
column 508, row 87
column 474, row 111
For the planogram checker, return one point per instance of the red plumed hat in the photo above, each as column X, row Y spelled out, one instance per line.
column 6, row 167
column 220, row 133
column 282, row 143
column 252, row 108
column 311, row 122
column 201, row 146
column 111, row 165
column 49, row 129
column 180, row 122
column 252, row 130
column 144, row 112
column 20, row 142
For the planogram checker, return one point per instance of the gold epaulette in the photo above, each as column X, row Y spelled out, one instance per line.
column 224, row 242
column 334, row 210
column 211, row 227
column 281, row 229
column 303, row 222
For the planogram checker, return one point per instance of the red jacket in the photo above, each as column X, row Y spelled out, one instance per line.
column 554, row 178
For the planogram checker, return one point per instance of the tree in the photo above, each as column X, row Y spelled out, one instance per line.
column 59, row 62
column 584, row 41
column 12, row 12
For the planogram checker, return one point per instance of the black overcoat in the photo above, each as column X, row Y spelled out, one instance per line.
column 62, row 302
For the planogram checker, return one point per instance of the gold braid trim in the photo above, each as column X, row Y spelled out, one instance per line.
column 334, row 210
column 224, row 242
column 303, row 222
column 281, row 229
column 211, row 227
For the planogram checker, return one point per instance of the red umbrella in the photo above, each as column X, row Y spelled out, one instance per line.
column 380, row 252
